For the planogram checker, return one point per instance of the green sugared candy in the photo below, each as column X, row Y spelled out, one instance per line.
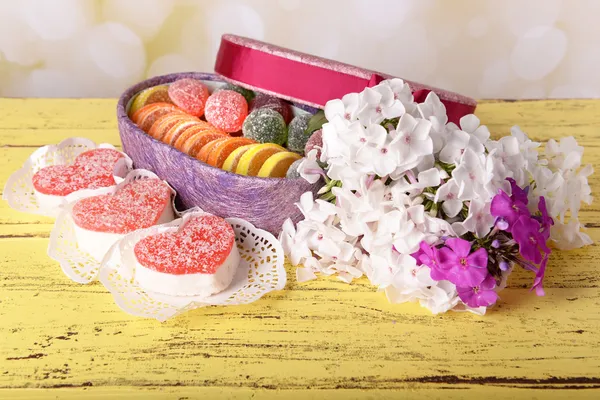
column 292, row 172
column 248, row 94
column 265, row 126
column 297, row 136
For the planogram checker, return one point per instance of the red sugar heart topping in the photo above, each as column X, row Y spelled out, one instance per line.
column 136, row 205
column 92, row 169
column 201, row 245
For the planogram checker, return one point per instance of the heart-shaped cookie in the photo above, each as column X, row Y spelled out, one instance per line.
column 135, row 205
column 199, row 259
column 92, row 169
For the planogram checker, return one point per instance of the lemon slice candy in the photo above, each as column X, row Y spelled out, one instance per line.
column 278, row 164
column 254, row 158
column 233, row 159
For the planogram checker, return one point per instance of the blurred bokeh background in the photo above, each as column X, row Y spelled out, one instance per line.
column 482, row 48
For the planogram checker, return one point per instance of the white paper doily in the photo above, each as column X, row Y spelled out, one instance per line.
column 18, row 191
column 261, row 270
column 76, row 263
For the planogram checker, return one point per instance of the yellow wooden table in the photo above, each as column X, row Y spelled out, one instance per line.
column 321, row 339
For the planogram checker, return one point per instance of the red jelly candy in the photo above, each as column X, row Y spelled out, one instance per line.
column 92, row 169
column 138, row 204
column 200, row 246
column 281, row 106
column 190, row 95
column 226, row 110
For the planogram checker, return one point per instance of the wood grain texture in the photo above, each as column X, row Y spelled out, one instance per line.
column 61, row 339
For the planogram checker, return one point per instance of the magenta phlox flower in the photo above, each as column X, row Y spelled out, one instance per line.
column 538, row 282
column 518, row 194
column 429, row 256
column 544, row 219
column 463, row 268
column 532, row 243
column 507, row 209
column 482, row 295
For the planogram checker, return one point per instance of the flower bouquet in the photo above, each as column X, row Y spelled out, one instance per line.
column 428, row 210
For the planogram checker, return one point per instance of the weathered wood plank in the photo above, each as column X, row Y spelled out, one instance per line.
column 339, row 340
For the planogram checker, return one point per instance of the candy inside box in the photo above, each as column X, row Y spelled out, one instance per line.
column 264, row 202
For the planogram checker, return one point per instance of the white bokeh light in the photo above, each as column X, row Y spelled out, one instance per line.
column 538, row 52
column 508, row 48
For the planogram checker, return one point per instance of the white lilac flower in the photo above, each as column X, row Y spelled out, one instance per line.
column 564, row 155
column 379, row 104
column 440, row 298
column 309, row 168
column 294, row 242
column 347, row 107
column 569, row 236
column 381, row 155
column 472, row 125
column 479, row 220
column 471, row 176
column 448, row 193
column 412, row 136
column 410, row 283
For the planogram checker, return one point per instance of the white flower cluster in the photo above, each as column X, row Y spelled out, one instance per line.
column 403, row 175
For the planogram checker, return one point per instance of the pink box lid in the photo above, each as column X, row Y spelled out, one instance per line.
column 308, row 79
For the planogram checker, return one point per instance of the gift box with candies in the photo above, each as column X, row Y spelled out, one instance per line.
column 230, row 142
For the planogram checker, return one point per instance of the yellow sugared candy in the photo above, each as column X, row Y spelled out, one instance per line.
column 278, row 164
column 233, row 159
column 254, row 158
column 155, row 94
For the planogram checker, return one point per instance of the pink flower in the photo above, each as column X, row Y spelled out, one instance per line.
column 544, row 219
column 429, row 256
column 532, row 243
column 518, row 194
column 538, row 282
column 505, row 208
column 463, row 268
column 481, row 295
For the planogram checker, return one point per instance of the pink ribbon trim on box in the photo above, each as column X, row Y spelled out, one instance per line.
column 299, row 80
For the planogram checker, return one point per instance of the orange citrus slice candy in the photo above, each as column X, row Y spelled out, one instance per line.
column 200, row 139
column 221, row 151
column 205, row 151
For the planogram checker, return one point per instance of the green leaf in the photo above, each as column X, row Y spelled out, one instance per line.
column 315, row 123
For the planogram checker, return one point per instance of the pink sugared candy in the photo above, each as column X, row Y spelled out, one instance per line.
column 226, row 110
column 190, row 95
column 274, row 103
column 136, row 205
column 102, row 220
column 92, row 169
column 200, row 258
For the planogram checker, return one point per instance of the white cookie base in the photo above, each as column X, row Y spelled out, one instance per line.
column 189, row 284
column 97, row 244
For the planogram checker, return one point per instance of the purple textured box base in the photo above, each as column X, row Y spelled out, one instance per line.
column 265, row 202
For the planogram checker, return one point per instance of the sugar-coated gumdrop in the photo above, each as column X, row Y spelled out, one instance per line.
column 248, row 94
column 190, row 95
column 265, row 101
column 226, row 110
column 292, row 172
column 297, row 136
column 265, row 126
column 315, row 141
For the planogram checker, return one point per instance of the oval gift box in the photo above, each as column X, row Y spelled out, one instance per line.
column 264, row 202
